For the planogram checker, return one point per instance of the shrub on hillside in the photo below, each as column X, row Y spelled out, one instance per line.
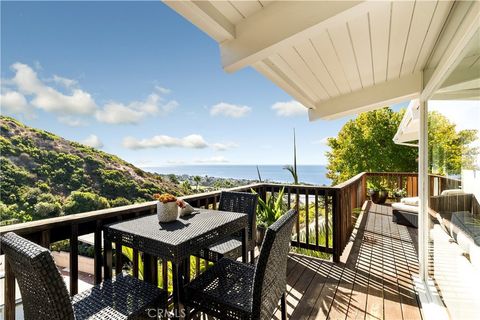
column 80, row 201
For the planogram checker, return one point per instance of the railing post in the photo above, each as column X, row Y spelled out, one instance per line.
column 364, row 187
column 337, row 210
column 9, row 290
column 97, row 256
column 118, row 254
column 45, row 240
column 73, row 265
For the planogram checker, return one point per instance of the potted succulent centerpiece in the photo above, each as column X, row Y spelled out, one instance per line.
column 399, row 193
column 377, row 192
column 267, row 213
column 167, row 207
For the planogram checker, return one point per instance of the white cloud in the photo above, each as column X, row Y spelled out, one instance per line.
column 74, row 101
column 216, row 159
column 193, row 141
column 93, row 141
column 136, row 111
column 289, row 109
column 15, row 102
column 116, row 113
column 322, row 141
column 67, row 83
column 224, row 146
column 48, row 98
column 229, row 110
column 162, row 90
column 72, row 121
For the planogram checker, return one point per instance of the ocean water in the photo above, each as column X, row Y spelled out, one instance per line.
column 312, row 174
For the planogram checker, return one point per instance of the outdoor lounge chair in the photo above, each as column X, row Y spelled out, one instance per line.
column 45, row 295
column 236, row 290
column 231, row 247
column 405, row 213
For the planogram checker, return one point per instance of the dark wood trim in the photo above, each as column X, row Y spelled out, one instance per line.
column 73, row 266
column 304, row 245
column 9, row 290
column 107, row 259
column 97, row 253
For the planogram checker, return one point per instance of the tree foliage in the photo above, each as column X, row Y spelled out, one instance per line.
column 449, row 150
column 365, row 144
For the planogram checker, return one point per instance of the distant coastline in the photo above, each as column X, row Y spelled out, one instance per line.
column 310, row 174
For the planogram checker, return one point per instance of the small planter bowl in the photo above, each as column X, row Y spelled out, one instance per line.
column 378, row 196
column 167, row 212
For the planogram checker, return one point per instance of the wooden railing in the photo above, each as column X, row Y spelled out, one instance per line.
column 324, row 223
column 408, row 181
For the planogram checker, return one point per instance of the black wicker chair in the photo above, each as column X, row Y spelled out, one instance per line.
column 45, row 296
column 235, row 290
column 232, row 247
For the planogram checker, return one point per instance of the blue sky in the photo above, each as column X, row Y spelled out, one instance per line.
column 137, row 80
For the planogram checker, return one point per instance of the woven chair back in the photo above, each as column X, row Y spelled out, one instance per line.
column 44, row 294
column 242, row 202
column 271, row 270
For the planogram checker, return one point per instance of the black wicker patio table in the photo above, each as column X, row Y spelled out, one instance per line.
column 175, row 241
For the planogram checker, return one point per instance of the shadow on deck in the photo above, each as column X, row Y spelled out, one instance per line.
column 372, row 281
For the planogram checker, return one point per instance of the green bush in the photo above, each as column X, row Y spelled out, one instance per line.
column 79, row 201
column 11, row 177
column 47, row 209
column 120, row 201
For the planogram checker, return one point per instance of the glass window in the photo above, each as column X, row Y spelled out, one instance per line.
column 454, row 194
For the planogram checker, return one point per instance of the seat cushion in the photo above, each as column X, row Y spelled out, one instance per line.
column 411, row 201
column 122, row 297
column 224, row 290
column 450, row 192
column 230, row 247
column 404, row 207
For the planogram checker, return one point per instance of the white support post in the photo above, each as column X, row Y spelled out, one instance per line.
column 423, row 191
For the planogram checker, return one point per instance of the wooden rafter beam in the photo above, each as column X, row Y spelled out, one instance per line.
column 284, row 23
column 206, row 17
column 383, row 94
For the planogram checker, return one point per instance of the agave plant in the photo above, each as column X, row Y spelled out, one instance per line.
column 270, row 210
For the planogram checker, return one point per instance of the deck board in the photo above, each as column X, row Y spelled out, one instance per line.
column 372, row 281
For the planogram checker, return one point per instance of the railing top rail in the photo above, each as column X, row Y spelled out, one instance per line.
column 84, row 217
column 410, row 174
column 40, row 225
column 217, row 192
column 291, row 185
column 393, row 173
column 350, row 181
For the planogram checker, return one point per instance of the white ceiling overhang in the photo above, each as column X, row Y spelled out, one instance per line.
column 343, row 57
column 408, row 130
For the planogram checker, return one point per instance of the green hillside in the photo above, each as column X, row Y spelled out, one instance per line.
column 43, row 175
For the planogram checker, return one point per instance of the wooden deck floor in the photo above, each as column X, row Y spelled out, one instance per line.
column 372, row 281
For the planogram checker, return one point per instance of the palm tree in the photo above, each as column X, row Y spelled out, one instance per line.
column 186, row 188
column 259, row 176
column 197, row 180
column 293, row 169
